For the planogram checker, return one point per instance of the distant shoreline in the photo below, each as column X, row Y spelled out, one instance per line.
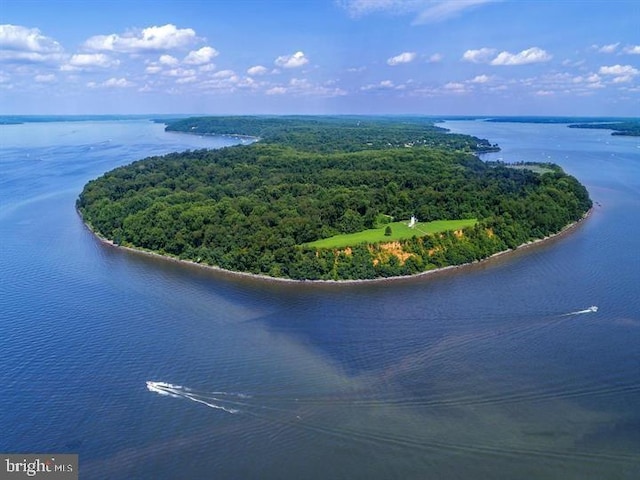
column 266, row 278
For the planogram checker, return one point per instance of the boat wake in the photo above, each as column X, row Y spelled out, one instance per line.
column 229, row 402
column 591, row 309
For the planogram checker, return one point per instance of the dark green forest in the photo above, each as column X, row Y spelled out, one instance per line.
column 630, row 128
column 252, row 208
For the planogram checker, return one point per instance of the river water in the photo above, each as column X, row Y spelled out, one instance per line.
column 495, row 371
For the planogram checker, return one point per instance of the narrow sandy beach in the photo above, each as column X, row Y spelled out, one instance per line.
column 266, row 278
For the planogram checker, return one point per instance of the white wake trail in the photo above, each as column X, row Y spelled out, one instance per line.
column 204, row 398
column 591, row 309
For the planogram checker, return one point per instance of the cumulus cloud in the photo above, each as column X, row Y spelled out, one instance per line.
column 619, row 70
column 525, row 57
column 87, row 61
column 435, row 58
column 632, row 49
column 276, row 91
column 224, row 74
column 404, row 57
column 425, row 11
column 112, row 83
column 292, row 61
column 149, row 39
column 455, row 87
column 184, row 80
column 19, row 38
column 28, row 45
column 257, row 70
column 153, row 69
column 118, row 83
column 383, row 85
column 201, row 56
column 481, row 55
column 168, row 60
column 179, row 72
column 480, row 79
column 486, row 55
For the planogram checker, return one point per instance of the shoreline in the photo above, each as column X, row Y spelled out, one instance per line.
column 268, row 279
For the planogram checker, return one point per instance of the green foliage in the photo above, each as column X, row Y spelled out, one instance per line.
column 388, row 231
column 256, row 208
column 335, row 134
column 630, row 128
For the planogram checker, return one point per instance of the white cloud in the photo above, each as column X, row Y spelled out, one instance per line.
column 168, row 60
column 383, row 85
column 619, row 70
column 153, row 69
column 276, row 91
column 190, row 79
column 525, row 57
column 480, row 79
column 224, row 74
column 84, row 61
column 404, row 57
column 481, row 55
column 180, row 72
column 27, row 45
column 611, row 48
column 292, row 61
column 545, row 93
column 623, row 79
column 201, row 56
column 426, row 11
column 455, row 87
column 149, row 39
column 257, row 70
column 632, row 49
column 302, row 86
column 45, row 78
column 435, row 58
column 112, row 83
column 23, row 39
column 118, row 83
column 209, row 67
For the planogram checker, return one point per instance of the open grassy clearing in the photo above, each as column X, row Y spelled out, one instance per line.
column 533, row 167
column 399, row 231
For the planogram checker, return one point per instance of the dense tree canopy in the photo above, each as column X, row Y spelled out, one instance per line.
column 253, row 208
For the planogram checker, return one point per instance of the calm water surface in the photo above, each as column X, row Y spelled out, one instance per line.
column 487, row 372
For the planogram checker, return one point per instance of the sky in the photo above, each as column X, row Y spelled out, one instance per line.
column 428, row 57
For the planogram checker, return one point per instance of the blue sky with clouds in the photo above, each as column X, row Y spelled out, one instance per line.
column 433, row 57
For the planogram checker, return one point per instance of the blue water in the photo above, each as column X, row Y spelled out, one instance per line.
column 477, row 373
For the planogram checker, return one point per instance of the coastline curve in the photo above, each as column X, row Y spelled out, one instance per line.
column 281, row 280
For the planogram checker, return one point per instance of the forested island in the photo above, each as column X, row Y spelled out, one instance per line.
column 330, row 198
column 629, row 127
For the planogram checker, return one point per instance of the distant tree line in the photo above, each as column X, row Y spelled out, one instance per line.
column 629, row 128
column 251, row 208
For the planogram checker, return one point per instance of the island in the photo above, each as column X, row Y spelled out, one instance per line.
column 330, row 199
column 629, row 127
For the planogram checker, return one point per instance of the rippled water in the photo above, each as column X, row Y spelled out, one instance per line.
column 477, row 373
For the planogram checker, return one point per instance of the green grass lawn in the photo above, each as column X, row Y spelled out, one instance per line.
column 399, row 231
